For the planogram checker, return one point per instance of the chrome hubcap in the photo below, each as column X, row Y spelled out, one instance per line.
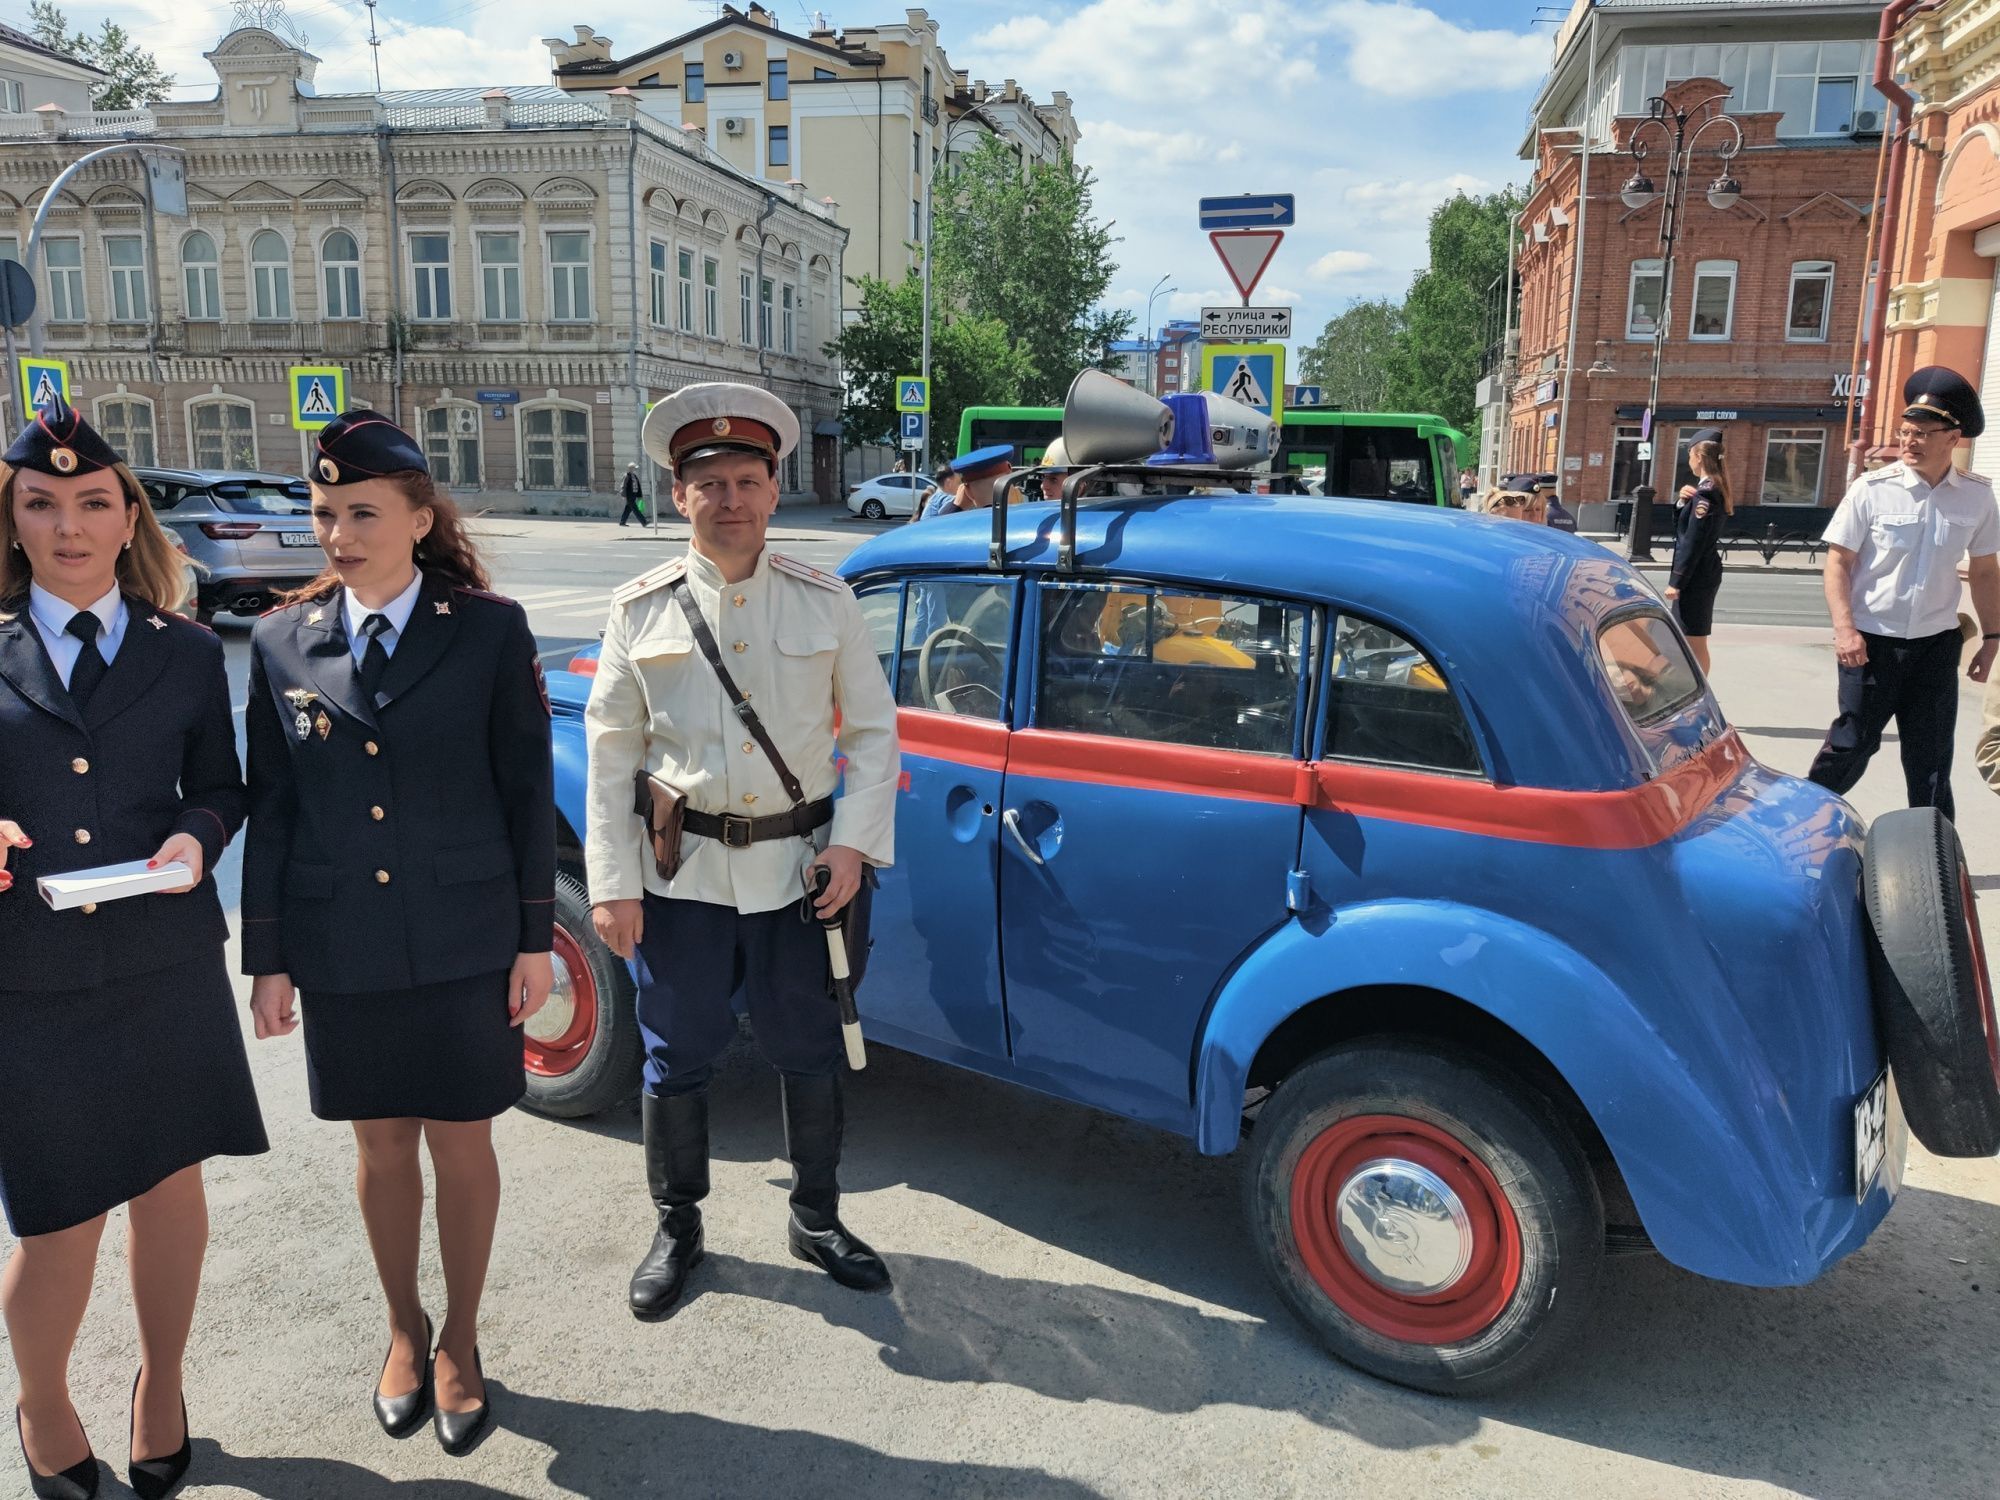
column 552, row 1021
column 1403, row 1227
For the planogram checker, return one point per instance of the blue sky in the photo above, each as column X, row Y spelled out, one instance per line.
column 1370, row 111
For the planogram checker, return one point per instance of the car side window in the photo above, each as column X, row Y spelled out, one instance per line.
column 882, row 613
column 1219, row 671
column 163, row 496
column 1388, row 703
column 1649, row 669
column 956, row 635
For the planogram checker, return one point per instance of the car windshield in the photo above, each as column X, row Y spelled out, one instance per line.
column 262, row 500
column 1650, row 670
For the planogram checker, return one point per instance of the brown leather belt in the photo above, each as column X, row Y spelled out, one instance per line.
column 735, row 831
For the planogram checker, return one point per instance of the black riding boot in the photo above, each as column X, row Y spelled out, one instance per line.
column 813, row 1121
column 676, row 1127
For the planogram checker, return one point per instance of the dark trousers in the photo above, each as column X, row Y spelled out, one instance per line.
column 1916, row 684
column 694, row 958
column 631, row 509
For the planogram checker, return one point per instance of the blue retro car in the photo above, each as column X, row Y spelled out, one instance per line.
column 1408, row 853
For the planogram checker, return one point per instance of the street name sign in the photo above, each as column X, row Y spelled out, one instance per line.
column 1251, row 373
column 1241, row 325
column 913, row 393
column 1245, row 253
column 319, row 394
column 1248, row 211
column 43, row 379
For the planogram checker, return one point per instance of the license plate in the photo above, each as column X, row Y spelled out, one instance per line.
column 1871, row 1135
column 297, row 539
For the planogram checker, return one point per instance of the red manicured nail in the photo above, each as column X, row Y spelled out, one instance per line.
column 151, row 862
column 26, row 842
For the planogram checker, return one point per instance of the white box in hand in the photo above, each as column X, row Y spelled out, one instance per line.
column 110, row 883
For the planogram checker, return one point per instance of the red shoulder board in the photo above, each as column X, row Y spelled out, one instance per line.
column 459, row 588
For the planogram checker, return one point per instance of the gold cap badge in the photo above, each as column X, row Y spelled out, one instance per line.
column 64, row 459
column 329, row 471
column 720, row 426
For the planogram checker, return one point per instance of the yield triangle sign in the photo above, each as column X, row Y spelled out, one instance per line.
column 1245, row 253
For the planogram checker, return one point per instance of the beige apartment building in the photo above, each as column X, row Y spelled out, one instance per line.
column 515, row 273
column 860, row 116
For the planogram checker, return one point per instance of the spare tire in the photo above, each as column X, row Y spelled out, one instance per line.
column 1933, row 994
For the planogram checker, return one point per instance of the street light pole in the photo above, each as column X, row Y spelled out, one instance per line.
column 1637, row 193
column 976, row 117
column 1152, row 378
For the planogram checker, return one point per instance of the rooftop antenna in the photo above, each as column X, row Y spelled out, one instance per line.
column 374, row 42
column 267, row 15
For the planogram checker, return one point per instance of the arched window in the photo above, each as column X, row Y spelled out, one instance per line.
column 556, row 447
column 451, row 434
column 222, row 433
column 126, row 423
column 270, row 277
column 341, row 259
column 204, row 284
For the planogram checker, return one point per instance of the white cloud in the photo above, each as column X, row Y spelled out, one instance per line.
column 1409, row 52
column 1340, row 263
column 1410, row 200
column 1117, row 149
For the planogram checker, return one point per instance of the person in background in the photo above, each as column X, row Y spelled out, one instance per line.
column 1696, row 573
column 978, row 472
column 1986, row 753
column 632, row 490
column 1468, row 486
column 1515, row 505
column 946, row 479
column 1892, row 587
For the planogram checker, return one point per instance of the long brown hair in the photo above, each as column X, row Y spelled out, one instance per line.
column 445, row 550
column 1711, row 466
column 152, row 569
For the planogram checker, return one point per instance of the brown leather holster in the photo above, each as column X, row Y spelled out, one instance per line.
column 663, row 809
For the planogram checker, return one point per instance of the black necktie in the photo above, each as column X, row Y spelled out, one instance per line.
column 374, row 660
column 89, row 669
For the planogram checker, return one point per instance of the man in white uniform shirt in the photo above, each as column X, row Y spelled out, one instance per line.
column 1892, row 587
column 734, row 914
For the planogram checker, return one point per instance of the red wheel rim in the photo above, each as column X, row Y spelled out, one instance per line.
column 1982, row 980
column 558, row 1039
column 1488, row 1244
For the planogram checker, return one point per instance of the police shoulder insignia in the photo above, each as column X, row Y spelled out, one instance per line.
column 645, row 583
column 808, row 573
column 459, row 588
column 542, row 687
column 1701, row 510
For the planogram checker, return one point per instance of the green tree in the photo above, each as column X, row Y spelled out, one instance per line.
column 973, row 362
column 133, row 78
column 1356, row 358
column 1437, row 366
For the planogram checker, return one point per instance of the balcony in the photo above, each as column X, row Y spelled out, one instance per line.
column 569, row 333
column 271, row 338
column 930, row 110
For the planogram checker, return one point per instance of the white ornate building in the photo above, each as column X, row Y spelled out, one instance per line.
column 516, row 273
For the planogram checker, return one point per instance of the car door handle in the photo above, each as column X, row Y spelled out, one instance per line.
column 1011, row 820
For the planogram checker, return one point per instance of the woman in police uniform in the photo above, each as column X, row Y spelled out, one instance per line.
column 1696, row 575
column 126, row 1069
column 400, row 871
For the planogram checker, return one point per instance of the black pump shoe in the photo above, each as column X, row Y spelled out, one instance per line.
column 458, row 1432
column 77, row 1482
column 402, row 1415
column 154, row 1478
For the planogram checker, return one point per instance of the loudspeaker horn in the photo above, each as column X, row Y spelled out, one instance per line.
column 1242, row 436
column 1106, row 421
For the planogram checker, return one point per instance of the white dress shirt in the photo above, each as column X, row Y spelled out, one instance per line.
column 52, row 616
column 1908, row 538
column 397, row 610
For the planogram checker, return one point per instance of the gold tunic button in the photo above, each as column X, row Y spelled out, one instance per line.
column 740, row 646
column 373, row 748
column 80, row 766
column 737, row 601
column 381, row 877
column 749, row 747
column 89, row 907
column 749, row 797
column 376, row 813
column 83, row 835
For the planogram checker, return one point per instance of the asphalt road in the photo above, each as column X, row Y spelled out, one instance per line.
column 1076, row 1313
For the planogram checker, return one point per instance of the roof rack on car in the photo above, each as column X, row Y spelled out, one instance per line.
column 1100, row 482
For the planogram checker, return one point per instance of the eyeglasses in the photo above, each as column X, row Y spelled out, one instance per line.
column 1922, row 434
column 1512, row 502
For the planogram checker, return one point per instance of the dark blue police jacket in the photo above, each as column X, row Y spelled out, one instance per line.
column 411, row 840
column 153, row 755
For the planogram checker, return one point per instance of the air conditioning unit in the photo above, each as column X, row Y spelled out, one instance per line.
column 732, row 125
column 1868, row 122
column 733, row 61
column 466, row 420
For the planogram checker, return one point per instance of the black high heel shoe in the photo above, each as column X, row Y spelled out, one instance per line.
column 402, row 1415
column 458, row 1432
column 155, row 1478
column 77, row 1482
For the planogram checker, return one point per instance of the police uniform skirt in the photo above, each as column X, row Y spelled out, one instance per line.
column 436, row 1052
column 109, row 1091
column 1695, row 608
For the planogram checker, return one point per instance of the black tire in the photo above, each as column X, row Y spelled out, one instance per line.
column 599, row 1068
column 1933, row 993
column 1509, row 1157
column 873, row 510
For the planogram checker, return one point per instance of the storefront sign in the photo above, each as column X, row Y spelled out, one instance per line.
column 1545, row 392
column 1844, row 386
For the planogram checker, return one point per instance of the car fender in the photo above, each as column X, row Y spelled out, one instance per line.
column 1709, row 1188
column 572, row 754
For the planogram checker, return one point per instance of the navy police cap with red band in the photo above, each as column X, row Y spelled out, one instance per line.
column 362, row 444
column 61, row 443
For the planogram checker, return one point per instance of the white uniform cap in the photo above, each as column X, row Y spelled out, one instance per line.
column 719, row 416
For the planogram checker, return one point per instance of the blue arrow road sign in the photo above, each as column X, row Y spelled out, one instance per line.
column 1251, row 211
column 1305, row 395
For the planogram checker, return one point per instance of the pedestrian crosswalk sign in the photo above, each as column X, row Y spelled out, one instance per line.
column 913, row 393
column 319, row 394
column 43, row 380
column 1253, row 374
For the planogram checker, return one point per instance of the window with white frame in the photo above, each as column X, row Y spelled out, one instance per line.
column 451, row 435
column 711, row 296
column 222, row 433
column 1794, row 458
column 1642, row 298
column 1807, row 304
column 201, row 275
column 1818, row 88
column 10, row 247
column 126, row 423
column 569, row 276
column 766, row 328
column 789, row 337
column 500, row 277
column 1815, row 86
column 13, row 97
column 658, row 255
column 744, row 293
column 270, row 277
column 125, row 257
column 556, row 447
column 780, row 141
column 64, row 261
column 684, row 267
column 1712, row 310
column 340, row 271
column 430, row 277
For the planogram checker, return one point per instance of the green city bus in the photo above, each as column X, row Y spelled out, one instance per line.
column 1353, row 454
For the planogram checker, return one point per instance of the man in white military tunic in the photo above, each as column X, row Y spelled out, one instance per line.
column 735, row 914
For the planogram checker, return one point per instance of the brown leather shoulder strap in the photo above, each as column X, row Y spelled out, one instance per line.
column 704, row 638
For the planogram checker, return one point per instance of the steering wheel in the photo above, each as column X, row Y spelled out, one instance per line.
column 952, row 637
